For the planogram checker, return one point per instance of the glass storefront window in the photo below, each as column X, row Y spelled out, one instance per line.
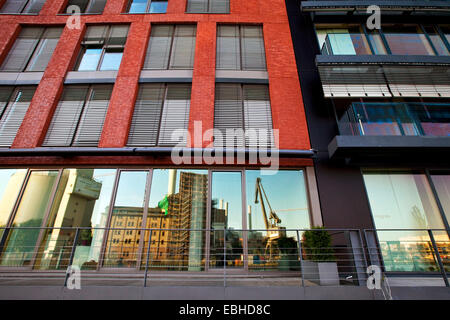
column 403, row 201
column 20, row 245
column 81, row 201
column 178, row 200
column 226, row 213
column 11, row 181
column 441, row 182
column 122, row 248
column 283, row 198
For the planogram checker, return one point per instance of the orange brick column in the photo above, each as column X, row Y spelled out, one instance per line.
column 115, row 6
column 177, row 6
column 203, row 82
column 52, row 8
column 121, row 105
column 36, row 121
column 284, row 86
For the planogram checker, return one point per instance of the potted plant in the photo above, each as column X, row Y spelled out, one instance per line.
column 319, row 263
column 85, row 237
column 288, row 254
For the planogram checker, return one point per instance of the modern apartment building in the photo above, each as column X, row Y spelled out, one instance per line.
column 194, row 142
column 377, row 104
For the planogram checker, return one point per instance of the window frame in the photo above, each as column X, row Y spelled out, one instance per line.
column 88, row 7
column 208, row 11
column 105, row 47
column 22, row 9
column 147, row 8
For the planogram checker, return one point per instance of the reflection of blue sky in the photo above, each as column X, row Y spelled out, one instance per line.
column 106, row 177
column 285, row 191
column 131, row 189
column 227, row 186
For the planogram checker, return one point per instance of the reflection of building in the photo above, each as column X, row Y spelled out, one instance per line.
column 187, row 210
column 123, row 244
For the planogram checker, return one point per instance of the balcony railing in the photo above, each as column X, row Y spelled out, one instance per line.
column 396, row 119
column 218, row 257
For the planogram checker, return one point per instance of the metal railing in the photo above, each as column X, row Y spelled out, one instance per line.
column 398, row 119
column 286, row 257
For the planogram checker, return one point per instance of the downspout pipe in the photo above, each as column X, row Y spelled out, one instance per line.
column 155, row 151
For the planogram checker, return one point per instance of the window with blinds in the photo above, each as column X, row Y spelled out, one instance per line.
column 32, row 49
column 88, row 6
column 22, row 6
column 245, row 107
column 208, row 6
column 160, row 110
column 14, row 103
column 79, row 116
column 102, row 48
column 171, row 47
column 240, row 48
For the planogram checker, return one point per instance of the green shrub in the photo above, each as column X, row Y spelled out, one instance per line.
column 317, row 245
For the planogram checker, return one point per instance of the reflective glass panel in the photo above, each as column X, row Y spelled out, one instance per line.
column 402, row 201
column 122, row 249
column 178, row 202
column 81, row 201
column 30, row 213
column 10, row 184
column 226, row 213
column 90, row 59
column 275, row 204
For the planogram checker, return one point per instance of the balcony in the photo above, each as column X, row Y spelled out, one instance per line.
column 360, row 6
column 397, row 129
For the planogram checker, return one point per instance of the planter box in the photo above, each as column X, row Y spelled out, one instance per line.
column 323, row 273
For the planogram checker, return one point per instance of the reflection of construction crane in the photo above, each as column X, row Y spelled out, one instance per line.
column 271, row 223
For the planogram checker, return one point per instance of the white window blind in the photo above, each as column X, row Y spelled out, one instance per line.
column 79, row 116
column 32, row 49
column 208, row 6
column 171, row 47
column 160, row 109
column 245, row 107
column 240, row 48
column 13, row 106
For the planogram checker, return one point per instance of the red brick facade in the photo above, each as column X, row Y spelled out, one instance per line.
column 286, row 101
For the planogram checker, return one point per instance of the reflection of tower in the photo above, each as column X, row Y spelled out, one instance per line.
column 249, row 217
column 172, row 181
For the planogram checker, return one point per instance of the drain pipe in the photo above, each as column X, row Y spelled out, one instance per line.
column 78, row 151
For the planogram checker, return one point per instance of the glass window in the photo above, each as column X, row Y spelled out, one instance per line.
column 342, row 41
column 82, row 200
column 79, row 117
column 32, row 49
column 13, row 107
column 10, row 184
column 403, row 200
column 240, row 48
column 147, row 6
column 87, row 6
column 275, row 203
column 22, row 6
column 160, row 110
column 436, row 40
column 102, row 48
column 226, row 213
column 407, row 40
column 243, row 107
column 171, row 47
column 178, row 199
column 20, row 244
column 441, row 182
column 128, row 207
column 208, row 6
